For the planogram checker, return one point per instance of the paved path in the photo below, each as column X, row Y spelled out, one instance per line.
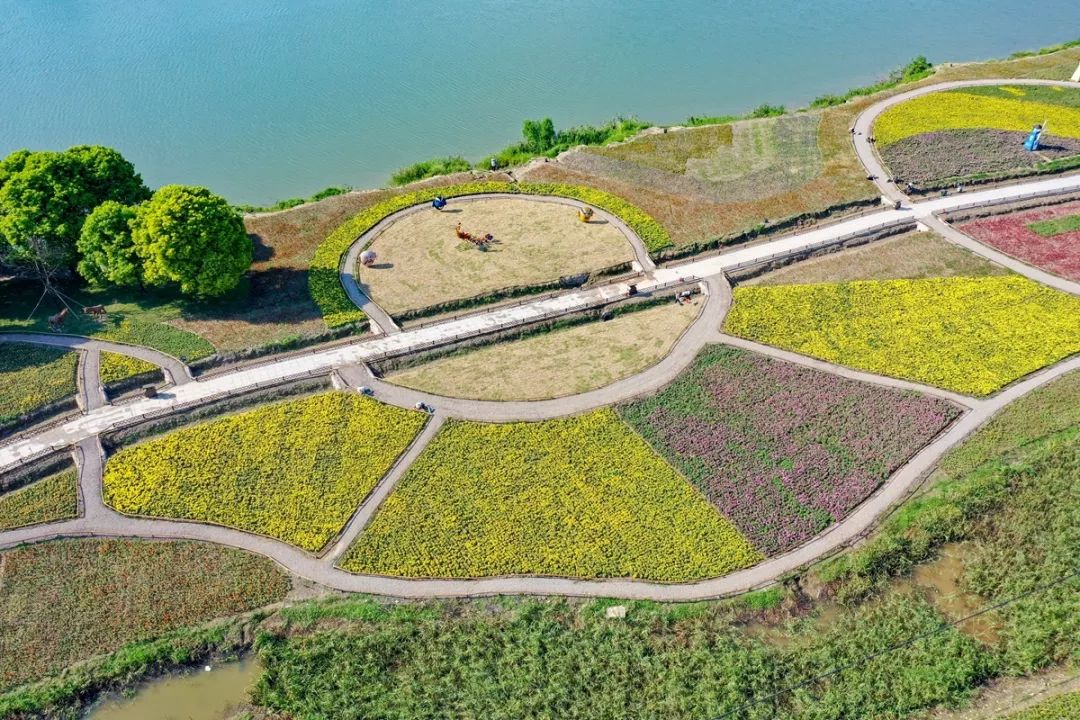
column 360, row 296
column 91, row 393
column 864, row 124
column 364, row 350
column 176, row 372
column 103, row 522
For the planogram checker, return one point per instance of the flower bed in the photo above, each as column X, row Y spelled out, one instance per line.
column 578, row 497
column 783, row 450
column 957, row 109
column 53, row 498
column 323, row 274
column 32, row 376
column 1047, row 237
column 116, row 367
column 294, row 471
column 971, row 335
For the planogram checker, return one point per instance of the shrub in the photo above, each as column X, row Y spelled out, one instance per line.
column 970, row 335
column 430, row 168
column 578, row 497
column 294, row 470
column 323, row 275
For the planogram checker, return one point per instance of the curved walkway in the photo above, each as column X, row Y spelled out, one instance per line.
column 91, row 393
column 864, row 124
column 176, row 372
column 379, row 317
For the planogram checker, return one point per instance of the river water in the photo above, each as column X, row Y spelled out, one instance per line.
column 266, row 99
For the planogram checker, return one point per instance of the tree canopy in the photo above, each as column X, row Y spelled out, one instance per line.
column 106, row 248
column 193, row 238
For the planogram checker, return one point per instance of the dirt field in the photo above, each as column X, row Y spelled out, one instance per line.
column 562, row 362
column 421, row 261
column 912, row 255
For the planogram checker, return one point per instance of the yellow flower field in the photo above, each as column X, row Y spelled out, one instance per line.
column 116, row 367
column 578, row 497
column 294, row 470
column 53, row 498
column 971, row 335
column 961, row 110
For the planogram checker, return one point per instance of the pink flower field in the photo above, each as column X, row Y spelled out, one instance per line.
column 1058, row 254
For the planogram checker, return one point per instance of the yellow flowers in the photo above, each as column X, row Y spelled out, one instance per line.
column 32, row 376
column 577, row 497
column 958, row 110
column 294, row 470
column 54, row 498
column 971, row 335
column 116, row 367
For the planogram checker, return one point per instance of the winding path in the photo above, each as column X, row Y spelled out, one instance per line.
column 348, row 361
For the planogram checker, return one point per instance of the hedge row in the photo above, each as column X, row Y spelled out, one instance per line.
column 325, row 286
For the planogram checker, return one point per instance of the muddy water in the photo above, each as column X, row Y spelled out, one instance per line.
column 200, row 695
column 941, row 579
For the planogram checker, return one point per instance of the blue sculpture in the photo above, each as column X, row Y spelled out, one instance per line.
column 439, row 202
column 1032, row 143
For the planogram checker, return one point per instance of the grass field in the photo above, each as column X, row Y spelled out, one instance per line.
column 971, row 335
column 295, row 470
column 1063, row 707
column 32, row 376
column 908, row 256
column 116, row 367
column 1047, row 237
column 421, row 262
column 556, row 363
column 65, row 601
column 578, row 497
column 53, row 498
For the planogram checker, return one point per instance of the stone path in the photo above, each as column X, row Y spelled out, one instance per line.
column 348, row 360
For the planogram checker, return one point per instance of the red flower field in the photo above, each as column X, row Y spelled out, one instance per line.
column 1057, row 253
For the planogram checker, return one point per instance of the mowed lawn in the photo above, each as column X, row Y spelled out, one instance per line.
column 581, row 497
column 970, row 335
column 556, row 363
column 908, row 256
column 69, row 600
column 421, row 262
column 294, row 470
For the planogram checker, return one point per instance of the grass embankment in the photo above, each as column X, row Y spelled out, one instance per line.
column 422, row 263
column 911, row 256
column 66, row 601
column 970, row 335
column 32, row 376
column 53, row 498
column 556, row 363
column 294, row 471
column 579, row 497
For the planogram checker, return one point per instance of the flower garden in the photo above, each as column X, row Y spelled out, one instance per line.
column 783, row 450
column 979, row 131
column 294, row 471
column 1048, row 237
column 578, row 497
column 32, row 376
column 969, row 335
column 116, row 367
column 49, row 499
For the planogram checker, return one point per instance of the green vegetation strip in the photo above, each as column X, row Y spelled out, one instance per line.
column 294, row 471
column 1056, row 226
column 66, row 601
column 323, row 276
column 53, row 498
column 1064, row 707
column 32, row 376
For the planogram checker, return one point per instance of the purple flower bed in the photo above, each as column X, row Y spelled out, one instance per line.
column 947, row 154
column 784, row 451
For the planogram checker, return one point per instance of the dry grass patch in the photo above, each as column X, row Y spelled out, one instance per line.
column 421, row 262
column 908, row 256
column 560, row 362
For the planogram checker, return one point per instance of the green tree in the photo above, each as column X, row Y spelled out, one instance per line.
column 106, row 248
column 539, row 135
column 46, row 196
column 193, row 238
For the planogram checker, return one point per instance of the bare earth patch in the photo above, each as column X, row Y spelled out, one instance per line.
column 909, row 256
column 421, row 262
column 561, row 362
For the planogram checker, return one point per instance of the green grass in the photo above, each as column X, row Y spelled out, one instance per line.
column 430, row 168
column 53, row 498
column 294, row 470
column 32, row 376
column 1056, row 226
column 66, row 601
column 1063, row 707
column 1050, row 95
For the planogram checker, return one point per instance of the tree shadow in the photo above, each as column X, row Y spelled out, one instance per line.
column 260, row 251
